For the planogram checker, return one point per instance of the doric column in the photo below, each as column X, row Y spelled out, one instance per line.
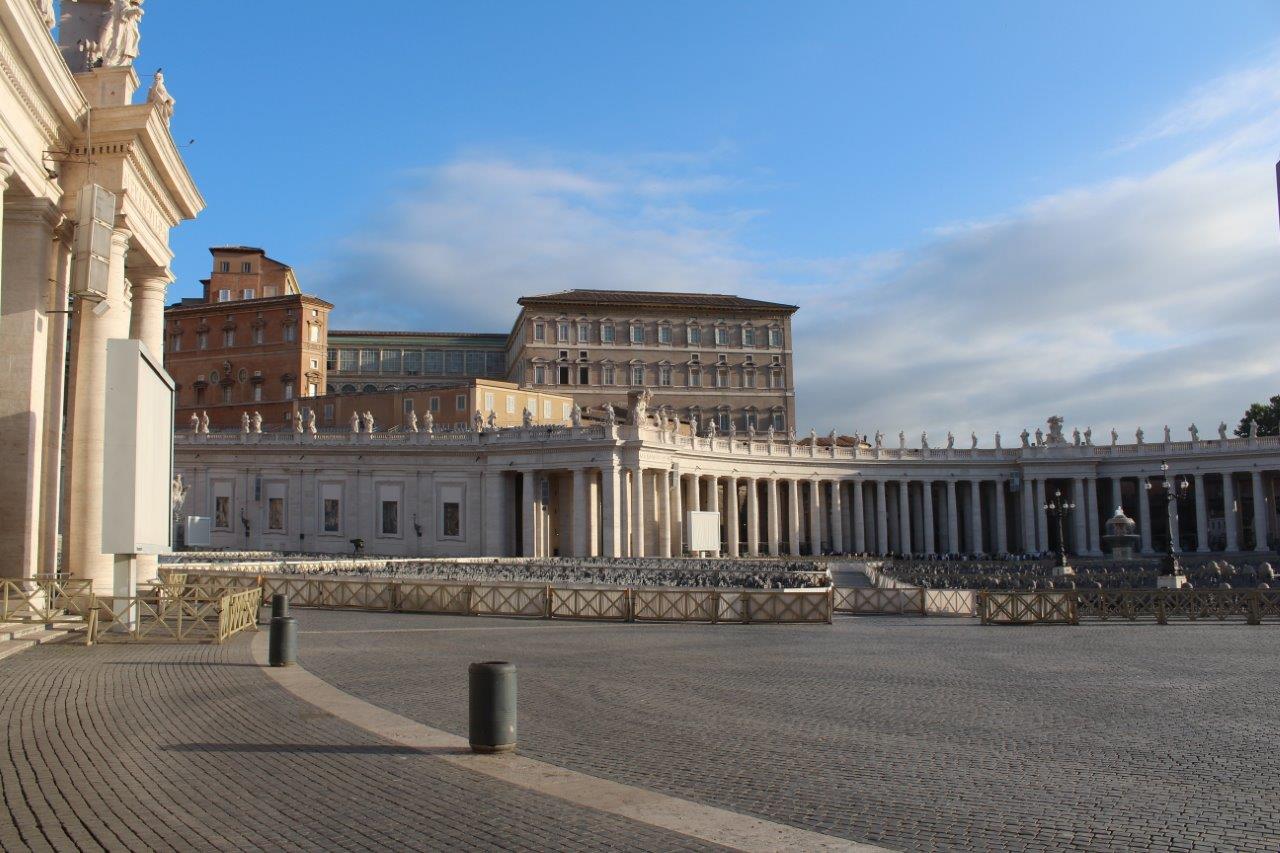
column 1028, row 516
column 859, row 519
column 1202, row 516
column 1260, row 531
column 1117, row 495
column 773, row 516
column 26, row 273
column 1077, row 518
column 753, row 518
column 1175, row 520
column 793, row 515
column 1230, row 520
column 637, row 511
column 610, row 516
column 1144, row 514
column 664, row 513
column 86, row 425
column 837, row 518
column 1042, row 518
column 695, row 493
column 731, row 519
column 677, row 512
column 882, row 519
column 529, row 513
column 6, row 171
column 815, row 518
column 146, row 323
column 926, row 514
column 713, row 505
column 953, row 519
column 904, row 518
column 1002, row 531
column 580, row 513
column 494, row 527
column 975, row 515
column 1091, row 498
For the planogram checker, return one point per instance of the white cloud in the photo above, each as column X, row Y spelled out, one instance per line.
column 1144, row 300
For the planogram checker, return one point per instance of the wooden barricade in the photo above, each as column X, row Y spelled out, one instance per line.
column 514, row 600
column 675, row 605
column 1027, row 608
column 610, row 604
column 865, row 601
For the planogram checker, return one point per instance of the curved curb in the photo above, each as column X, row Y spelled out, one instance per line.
column 717, row 826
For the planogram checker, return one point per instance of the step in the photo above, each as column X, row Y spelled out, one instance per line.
column 19, row 630
column 31, row 639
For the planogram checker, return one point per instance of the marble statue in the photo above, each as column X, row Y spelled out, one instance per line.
column 575, row 415
column 492, row 422
column 1140, row 436
column 1167, row 437
column 1039, row 436
column 831, row 437
column 244, row 422
column 610, row 417
column 791, row 434
column 477, row 421
column 771, row 434
column 1253, row 429
column 693, row 425
column 195, row 424
column 733, row 429
column 998, row 440
column 711, row 427
column 1026, row 438
column 355, row 422
column 879, row 439
column 640, row 405
column 1195, row 432
column 429, row 422
column 413, row 421
column 1055, row 430
column 1075, row 436
column 813, row 437
column 159, row 95
column 924, row 440
column 257, row 422
column 45, row 9
column 311, row 422
column 178, row 492
column 204, row 422
column 368, row 421
column 297, row 422
column 902, row 440
column 119, row 38
column 1222, row 430
column 1088, row 436
column 951, row 440
column 973, row 441
column 526, row 417
column 751, row 432
column 1115, row 437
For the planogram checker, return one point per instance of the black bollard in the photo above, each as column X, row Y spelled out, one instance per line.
column 492, row 692
column 282, row 646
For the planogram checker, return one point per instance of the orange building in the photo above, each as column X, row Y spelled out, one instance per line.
column 253, row 341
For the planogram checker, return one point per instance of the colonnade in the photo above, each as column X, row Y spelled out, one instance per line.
column 640, row 510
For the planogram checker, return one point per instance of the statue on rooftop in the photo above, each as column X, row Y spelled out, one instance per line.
column 1167, row 436
column 159, row 95
column 477, row 421
column 45, row 8
column 195, row 424
column 204, row 422
column 1115, row 437
column 119, row 38
column 526, row 417
column 1140, row 436
column 711, row 427
column 973, row 441
column 1195, row 432
column 693, row 425
column 413, row 421
column 297, row 422
column 1055, row 430
column 492, row 422
column 575, row 415
column 1075, row 436
column 1253, row 429
column 771, row 434
column 924, row 440
column 429, row 422
column 998, row 440
column 733, row 429
column 902, row 439
column 244, row 422
column 1026, row 438
column 257, row 422
column 879, row 439
column 951, row 440
column 311, row 422
column 1222, row 430
column 1088, row 436
column 178, row 493
column 1039, row 436
column 355, row 421
column 368, row 421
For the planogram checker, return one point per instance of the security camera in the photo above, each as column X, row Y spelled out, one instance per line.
column 101, row 308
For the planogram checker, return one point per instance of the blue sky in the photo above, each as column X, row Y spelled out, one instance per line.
column 988, row 213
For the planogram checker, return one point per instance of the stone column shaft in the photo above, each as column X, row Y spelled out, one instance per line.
column 664, row 513
column 793, row 516
column 146, row 323
column 882, row 519
column 904, row 518
column 975, row 515
column 1260, row 531
column 926, row 512
column 815, row 519
column 1028, row 516
column 610, row 512
column 529, row 513
column 713, row 505
column 1042, row 518
column 837, row 519
column 774, row 520
column 678, row 532
column 1202, row 516
column 637, row 511
column 580, row 512
column 1001, row 545
column 1144, row 514
column 859, row 519
column 1081, row 535
column 753, row 518
column 731, row 521
column 494, row 528
column 1091, row 499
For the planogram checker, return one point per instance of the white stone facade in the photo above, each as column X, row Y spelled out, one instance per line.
column 621, row 491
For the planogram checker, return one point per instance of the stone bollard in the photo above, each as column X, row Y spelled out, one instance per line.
column 282, row 646
column 492, row 694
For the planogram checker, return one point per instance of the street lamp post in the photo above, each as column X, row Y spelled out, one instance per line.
column 1058, row 508
column 1169, row 566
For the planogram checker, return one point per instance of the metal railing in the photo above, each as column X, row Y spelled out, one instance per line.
column 537, row 601
column 1160, row 606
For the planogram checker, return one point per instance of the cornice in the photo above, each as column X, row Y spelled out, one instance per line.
column 53, row 100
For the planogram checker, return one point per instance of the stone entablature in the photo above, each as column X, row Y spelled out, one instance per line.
column 599, row 490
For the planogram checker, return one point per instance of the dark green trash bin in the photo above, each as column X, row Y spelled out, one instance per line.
column 492, row 693
column 282, row 642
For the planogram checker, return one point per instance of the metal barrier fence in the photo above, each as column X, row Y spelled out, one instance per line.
column 543, row 601
column 1070, row 607
column 909, row 601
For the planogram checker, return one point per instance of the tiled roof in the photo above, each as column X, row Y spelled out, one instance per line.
column 349, row 333
column 655, row 298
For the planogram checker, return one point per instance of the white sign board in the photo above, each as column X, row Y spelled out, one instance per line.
column 137, row 470
column 702, row 530
column 199, row 531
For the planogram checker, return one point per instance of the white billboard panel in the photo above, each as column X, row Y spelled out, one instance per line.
column 703, row 530
column 137, row 471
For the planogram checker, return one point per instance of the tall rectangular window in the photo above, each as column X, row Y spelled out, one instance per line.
column 637, row 374
column 432, row 363
column 390, row 360
column 488, row 402
column 454, row 362
column 202, row 340
column 779, row 421
column 368, row 361
column 695, row 336
column 584, row 375
column 606, row 333
column 695, row 377
column 247, row 293
column 288, row 390
column 275, row 513
column 259, row 334
column 290, row 333
column 224, row 295
column 562, row 332
column 748, row 336
column 584, row 333
column 390, row 518
column 539, row 375
column 637, row 333
column 610, row 376
column 434, row 404
column 475, row 364
column 775, row 337
column 348, row 360
column 722, row 337
column 246, row 267
column 224, row 266
column 664, row 375
column 460, row 402
column 511, row 404
column 451, row 519
column 228, row 337
column 313, row 329
column 539, row 332
column 412, row 362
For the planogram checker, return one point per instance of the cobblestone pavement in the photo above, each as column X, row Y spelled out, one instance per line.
column 917, row 734
column 194, row 748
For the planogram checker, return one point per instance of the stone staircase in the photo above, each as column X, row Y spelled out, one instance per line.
column 18, row 636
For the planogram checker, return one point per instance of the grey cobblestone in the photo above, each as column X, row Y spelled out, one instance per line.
column 919, row 734
column 193, row 748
